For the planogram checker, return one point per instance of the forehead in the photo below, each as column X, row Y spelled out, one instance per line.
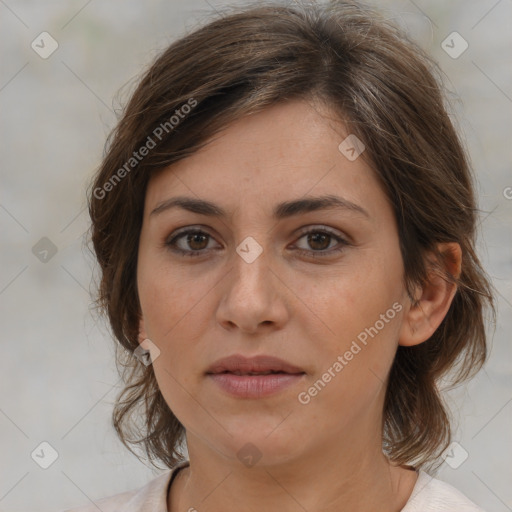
column 284, row 152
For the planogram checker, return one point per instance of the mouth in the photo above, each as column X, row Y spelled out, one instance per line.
column 270, row 372
column 254, row 377
column 256, row 365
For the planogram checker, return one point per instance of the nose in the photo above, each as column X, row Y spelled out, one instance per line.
column 253, row 297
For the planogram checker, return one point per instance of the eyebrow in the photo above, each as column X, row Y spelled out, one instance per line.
column 281, row 211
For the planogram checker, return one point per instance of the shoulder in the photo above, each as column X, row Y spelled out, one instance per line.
column 433, row 495
column 152, row 497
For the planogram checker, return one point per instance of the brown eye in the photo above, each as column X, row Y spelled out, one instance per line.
column 192, row 242
column 196, row 241
column 320, row 240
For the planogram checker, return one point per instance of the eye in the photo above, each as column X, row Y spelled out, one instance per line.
column 196, row 242
column 191, row 242
column 320, row 240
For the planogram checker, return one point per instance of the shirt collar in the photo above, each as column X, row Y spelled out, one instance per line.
column 153, row 496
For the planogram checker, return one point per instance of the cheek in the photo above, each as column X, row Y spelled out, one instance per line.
column 169, row 303
column 361, row 310
column 354, row 299
column 171, row 319
column 173, row 311
column 351, row 376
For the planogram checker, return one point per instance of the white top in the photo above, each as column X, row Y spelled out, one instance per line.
column 428, row 495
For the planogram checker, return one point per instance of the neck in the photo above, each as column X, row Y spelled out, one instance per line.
column 348, row 477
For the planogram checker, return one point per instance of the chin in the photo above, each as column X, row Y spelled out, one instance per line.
column 260, row 441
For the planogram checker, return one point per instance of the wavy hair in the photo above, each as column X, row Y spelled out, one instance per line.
column 389, row 93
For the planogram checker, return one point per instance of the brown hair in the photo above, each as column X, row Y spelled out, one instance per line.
column 388, row 93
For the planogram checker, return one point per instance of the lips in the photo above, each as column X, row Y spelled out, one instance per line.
column 257, row 365
column 255, row 377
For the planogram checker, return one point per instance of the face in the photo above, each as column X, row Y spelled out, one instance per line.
column 319, row 287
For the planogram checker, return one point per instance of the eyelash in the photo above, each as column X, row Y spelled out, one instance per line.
column 171, row 244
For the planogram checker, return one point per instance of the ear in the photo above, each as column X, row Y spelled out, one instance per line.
column 433, row 300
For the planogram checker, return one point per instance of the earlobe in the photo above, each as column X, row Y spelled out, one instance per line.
column 433, row 300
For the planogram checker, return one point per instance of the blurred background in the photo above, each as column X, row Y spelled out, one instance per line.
column 66, row 67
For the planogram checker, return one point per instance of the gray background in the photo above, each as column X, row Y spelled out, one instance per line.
column 58, row 378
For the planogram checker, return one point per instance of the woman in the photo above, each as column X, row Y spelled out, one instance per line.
column 285, row 225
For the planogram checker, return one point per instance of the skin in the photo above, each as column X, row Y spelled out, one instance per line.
column 325, row 455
